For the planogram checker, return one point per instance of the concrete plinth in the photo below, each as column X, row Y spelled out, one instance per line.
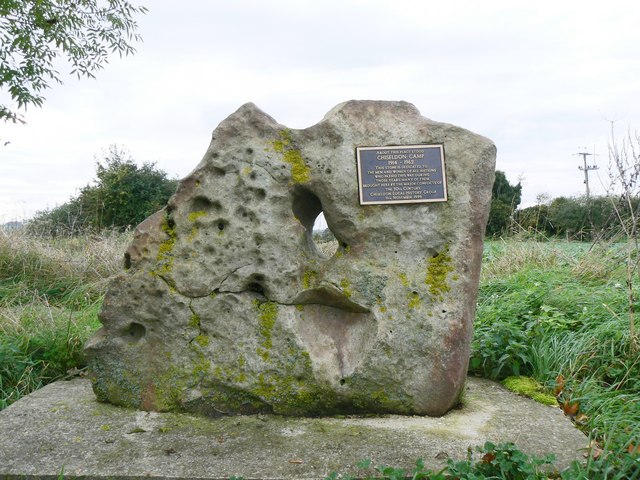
column 63, row 428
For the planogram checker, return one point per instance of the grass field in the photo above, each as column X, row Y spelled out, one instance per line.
column 553, row 311
column 50, row 293
column 558, row 312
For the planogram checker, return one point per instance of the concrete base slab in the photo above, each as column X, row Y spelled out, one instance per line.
column 63, row 427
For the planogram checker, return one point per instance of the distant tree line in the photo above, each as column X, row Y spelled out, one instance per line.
column 574, row 218
column 122, row 195
column 577, row 218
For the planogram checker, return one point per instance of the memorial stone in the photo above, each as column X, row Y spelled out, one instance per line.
column 226, row 305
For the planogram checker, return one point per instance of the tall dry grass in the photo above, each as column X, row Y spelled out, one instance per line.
column 50, row 292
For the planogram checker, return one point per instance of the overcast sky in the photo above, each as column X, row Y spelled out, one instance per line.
column 542, row 80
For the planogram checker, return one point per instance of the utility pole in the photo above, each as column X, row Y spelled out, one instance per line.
column 586, row 169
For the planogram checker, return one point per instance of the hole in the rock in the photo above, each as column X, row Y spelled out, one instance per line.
column 256, row 287
column 253, row 175
column 221, row 226
column 342, row 381
column 307, row 208
column 260, row 193
column 200, row 203
column 127, row 261
column 135, row 331
column 249, row 150
column 241, row 211
column 444, row 311
column 323, row 237
column 220, row 172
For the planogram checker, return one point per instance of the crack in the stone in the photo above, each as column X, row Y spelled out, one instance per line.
column 173, row 287
column 199, row 326
column 229, row 274
column 256, row 164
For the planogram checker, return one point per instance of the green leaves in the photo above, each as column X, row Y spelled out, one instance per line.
column 502, row 461
column 35, row 34
column 122, row 196
column 505, row 198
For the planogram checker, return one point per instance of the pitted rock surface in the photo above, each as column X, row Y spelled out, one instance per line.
column 227, row 306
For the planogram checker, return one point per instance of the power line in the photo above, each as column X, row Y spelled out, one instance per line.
column 586, row 169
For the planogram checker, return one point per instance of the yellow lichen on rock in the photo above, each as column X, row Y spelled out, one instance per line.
column 300, row 172
column 438, row 268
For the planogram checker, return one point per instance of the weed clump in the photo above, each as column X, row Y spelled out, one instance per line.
column 560, row 316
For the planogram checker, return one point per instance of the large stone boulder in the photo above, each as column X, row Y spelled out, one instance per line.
column 227, row 306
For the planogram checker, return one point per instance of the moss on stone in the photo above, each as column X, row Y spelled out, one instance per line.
column 531, row 388
column 114, row 382
column 290, row 394
column 194, row 321
column 438, row 268
column 345, row 284
column 164, row 256
column 202, row 340
column 309, row 279
column 170, row 387
column 379, row 401
column 370, row 286
column 403, row 279
column 413, row 300
column 201, row 367
column 267, row 315
column 193, row 216
column 300, row 172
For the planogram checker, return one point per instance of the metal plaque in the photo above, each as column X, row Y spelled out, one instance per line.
column 401, row 174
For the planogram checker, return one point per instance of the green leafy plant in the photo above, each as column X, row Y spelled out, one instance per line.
column 505, row 198
column 33, row 35
column 122, row 196
column 555, row 316
column 502, row 461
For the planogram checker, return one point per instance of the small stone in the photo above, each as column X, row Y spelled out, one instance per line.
column 227, row 306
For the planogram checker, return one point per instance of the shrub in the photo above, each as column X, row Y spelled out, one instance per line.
column 122, row 197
